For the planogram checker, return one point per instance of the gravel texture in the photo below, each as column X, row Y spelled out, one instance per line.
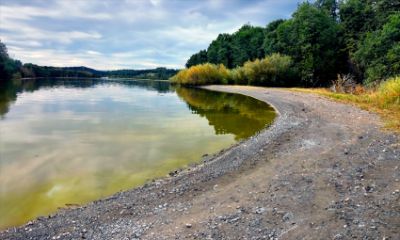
column 323, row 170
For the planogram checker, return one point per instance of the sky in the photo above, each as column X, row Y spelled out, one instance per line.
column 125, row 34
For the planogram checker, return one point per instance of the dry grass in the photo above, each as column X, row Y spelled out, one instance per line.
column 384, row 100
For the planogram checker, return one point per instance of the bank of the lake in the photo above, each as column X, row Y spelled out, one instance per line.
column 323, row 170
column 69, row 142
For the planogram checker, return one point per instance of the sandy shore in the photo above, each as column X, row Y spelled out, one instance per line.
column 323, row 170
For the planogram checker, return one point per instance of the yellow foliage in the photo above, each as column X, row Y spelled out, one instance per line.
column 268, row 71
column 202, row 74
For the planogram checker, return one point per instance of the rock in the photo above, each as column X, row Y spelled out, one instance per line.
column 287, row 216
column 260, row 210
column 233, row 220
column 369, row 189
column 338, row 237
column 173, row 173
column 188, row 225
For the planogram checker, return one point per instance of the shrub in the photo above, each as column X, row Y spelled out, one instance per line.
column 238, row 76
column 273, row 70
column 389, row 92
column 202, row 74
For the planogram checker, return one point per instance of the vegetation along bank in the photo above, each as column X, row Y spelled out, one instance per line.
column 351, row 46
column 320, row 41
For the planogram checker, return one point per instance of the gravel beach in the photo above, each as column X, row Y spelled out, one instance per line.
column 323, row 170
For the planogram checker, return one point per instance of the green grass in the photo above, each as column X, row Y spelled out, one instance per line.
column 384, row 100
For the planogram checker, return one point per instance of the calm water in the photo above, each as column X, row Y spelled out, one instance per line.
column 70, row 141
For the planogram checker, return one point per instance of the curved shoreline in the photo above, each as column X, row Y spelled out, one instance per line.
column 291, row 180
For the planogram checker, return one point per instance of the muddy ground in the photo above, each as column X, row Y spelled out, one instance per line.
column 323, row 170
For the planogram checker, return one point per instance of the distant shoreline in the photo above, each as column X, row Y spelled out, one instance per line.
column 95, row 78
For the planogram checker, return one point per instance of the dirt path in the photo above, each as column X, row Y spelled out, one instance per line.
column 324, row 170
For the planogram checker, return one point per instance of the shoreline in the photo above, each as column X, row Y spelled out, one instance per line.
column 205, row 202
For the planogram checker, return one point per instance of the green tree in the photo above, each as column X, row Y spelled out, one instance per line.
column 379, row 53
column 232, row 49
column 271, row 43
column 3, row 51
column 198, row 58
column 247, row 44
column 331, row 7
column 358, row 17
column 311, row 38
column 9, row 67
column 220, row 50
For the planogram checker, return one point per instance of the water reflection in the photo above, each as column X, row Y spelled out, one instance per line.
column 10, row 89
column 68, row 141
column 228, row 113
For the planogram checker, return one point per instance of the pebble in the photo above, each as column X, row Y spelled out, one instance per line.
column 260, row 210
column 287, row 216
column 188, row 225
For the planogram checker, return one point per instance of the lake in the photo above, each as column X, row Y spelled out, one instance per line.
column 73, row 141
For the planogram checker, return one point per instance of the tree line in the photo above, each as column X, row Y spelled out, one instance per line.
column 322, row 39
column 15, row 69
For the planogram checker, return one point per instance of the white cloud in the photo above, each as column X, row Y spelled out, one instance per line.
column 93, row 53
column 61, row 10
column 125, row 33
column 93, row 59
column 19, row 31
column 155, row 2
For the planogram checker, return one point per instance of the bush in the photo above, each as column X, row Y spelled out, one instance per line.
column 273, row 70
column 202, row 74
column 389, row 92
column 238, row 76
column 270, row 71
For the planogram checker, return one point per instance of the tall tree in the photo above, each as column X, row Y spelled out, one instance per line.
column 379, row 53
column 331, row 7
column 271, row 43
column 220, row 50
column 3, row 51
column 311, row 39
column 247, row 44
column 359, row 17
column 198, row 58
column 8, row 66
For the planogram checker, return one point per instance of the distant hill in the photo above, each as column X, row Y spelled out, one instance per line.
column 31, row 70
column 157, row 73
column 11, row 68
